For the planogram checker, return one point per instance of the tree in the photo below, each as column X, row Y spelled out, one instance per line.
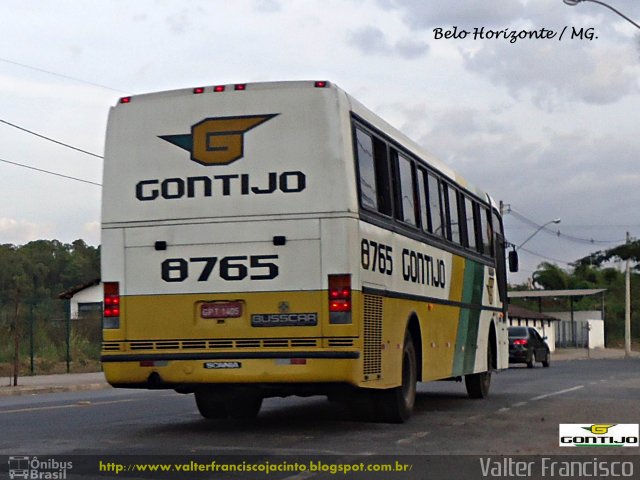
column 550, row 277
column 32, row 275
column 630, row 251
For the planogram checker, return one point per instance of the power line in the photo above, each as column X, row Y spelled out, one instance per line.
column 559, row 234
column 51, row 173
column 50, row 139
column 544, row 257
column 68, row 77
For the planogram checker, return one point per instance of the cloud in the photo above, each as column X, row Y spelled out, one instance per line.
column 21, row 231
column 371, row 40
column 562, row 174
column 419, row 14
column 91, row 232
column 553, row 73
column 267, row 6
column 601, row 70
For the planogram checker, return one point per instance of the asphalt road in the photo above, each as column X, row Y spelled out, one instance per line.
column 521, row 416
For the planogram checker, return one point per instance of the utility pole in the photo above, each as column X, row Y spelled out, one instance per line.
column 16, row 338
column 627, row 306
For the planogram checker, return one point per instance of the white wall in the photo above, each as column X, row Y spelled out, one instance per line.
column 593, row 319
column 596, row 333
column 88, row 295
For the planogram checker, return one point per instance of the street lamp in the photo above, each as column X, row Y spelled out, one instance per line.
column 573, row 3
column 556, row 220
column 513, row 254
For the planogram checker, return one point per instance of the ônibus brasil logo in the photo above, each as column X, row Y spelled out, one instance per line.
column 217, row 141
column 599, row 435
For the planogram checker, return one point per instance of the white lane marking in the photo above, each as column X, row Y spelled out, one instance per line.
column 411, row 438
column 70, row 405
column 559, row 392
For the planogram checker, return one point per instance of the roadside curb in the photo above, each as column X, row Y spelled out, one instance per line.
column 59, row 383
column 34, row 390
column 562, row 355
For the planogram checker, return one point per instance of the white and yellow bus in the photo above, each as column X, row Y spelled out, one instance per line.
column 272, row 239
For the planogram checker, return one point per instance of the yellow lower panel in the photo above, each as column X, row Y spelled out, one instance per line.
column 251, row 371
column 439, row 328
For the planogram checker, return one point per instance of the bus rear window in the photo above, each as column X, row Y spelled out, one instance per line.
column 373, row 166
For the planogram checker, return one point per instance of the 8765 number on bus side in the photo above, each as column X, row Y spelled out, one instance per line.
column 376, row 257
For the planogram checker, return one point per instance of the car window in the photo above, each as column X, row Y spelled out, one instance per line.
column 516, row 332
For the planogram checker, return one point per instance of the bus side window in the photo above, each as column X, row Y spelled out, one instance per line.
column 470, row 215
column 486, row 233
column 453, row 214
column 373, row 166
column 366, row 167
column 496, row 225
column 407, row 200
column 435, row 202
column 422, row 200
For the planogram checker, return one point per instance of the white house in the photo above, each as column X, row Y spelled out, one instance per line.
column 571, row 328
column 84, row 298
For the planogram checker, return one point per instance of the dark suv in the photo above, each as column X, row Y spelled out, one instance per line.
column 527, row 346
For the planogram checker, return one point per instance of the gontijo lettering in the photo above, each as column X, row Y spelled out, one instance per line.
column 220, row 185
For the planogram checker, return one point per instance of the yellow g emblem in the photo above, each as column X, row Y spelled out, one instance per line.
column 217, row 141
column 600, row 428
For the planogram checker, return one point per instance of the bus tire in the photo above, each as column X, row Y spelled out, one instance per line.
column 478, row 384
column 396, row 404
column 245, row 407
column 210, row 405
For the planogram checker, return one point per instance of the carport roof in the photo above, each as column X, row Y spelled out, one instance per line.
column 584, row 292
column 516, row 311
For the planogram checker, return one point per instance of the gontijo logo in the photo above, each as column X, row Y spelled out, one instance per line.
column 217, row 141
column 599, row 435
column 599, row 428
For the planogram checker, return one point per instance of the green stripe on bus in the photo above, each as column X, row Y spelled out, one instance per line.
column 469, row 319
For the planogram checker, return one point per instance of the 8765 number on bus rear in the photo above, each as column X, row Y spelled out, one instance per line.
column 232, row 268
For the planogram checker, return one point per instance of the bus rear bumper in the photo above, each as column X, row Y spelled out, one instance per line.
column 187, row 372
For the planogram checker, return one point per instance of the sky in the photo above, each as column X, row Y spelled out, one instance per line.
column 534, row 101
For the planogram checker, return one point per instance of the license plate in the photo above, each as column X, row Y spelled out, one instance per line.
column 221, row 310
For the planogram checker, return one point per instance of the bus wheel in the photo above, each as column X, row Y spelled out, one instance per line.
column 396, row 405
column 245, row 407
column 210, row 405
column 478, row 383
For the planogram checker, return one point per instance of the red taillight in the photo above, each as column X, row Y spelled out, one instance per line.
column 125, row 100
column 339, row 293
column 198, row 90
column 520, row 341
column 111, row 299
column 218, row 88
column 320, row 84
column 240, row 86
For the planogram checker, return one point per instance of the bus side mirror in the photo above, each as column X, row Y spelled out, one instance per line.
column 513, row 261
